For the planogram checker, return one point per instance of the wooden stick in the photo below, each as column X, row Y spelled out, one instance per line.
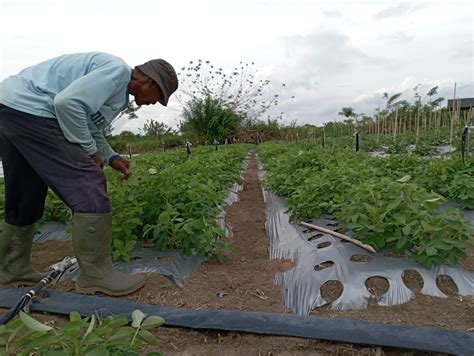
column 395, row 124
column 341, row 236
column 453, row 116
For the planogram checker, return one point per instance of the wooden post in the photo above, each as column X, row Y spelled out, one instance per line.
column 395, row 124
column 452, row 117
column 418, row 121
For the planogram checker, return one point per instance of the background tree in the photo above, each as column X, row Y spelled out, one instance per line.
column 234, row 99
column 349, row 113
column 209, row 120
column 156, row 129
column 130, row 111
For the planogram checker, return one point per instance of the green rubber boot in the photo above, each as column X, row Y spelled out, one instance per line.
column 15, row 256
column 92, row 237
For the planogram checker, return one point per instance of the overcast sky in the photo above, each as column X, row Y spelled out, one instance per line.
column 330, row 54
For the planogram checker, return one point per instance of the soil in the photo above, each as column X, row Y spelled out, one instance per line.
column 245, row 282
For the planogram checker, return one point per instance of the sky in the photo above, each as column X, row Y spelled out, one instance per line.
column 329, row 54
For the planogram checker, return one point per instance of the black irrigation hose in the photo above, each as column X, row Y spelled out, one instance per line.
column 25, row 300
column 312, row 327
column 23, row 304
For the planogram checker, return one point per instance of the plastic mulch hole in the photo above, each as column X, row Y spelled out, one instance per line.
column 331, row 290
column 163, row 259
column 135, row 258
column 332, row 224
column 413, row 280
column 323, row 244
column 377, row 286
column 446, row 285
column 361, row 258
column 315, row 236
column 392, row 255
column 323, row 265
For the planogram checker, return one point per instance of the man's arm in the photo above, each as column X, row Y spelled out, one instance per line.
column 86, row 95
column 111, row 157
column 103, row 147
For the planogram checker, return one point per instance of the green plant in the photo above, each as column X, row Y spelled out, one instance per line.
column 404, row 218
column 79, row 336
column 391, row 203
column 209, row 119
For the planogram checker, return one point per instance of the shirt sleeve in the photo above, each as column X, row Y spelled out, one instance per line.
column 84, row 96
column 103, row 146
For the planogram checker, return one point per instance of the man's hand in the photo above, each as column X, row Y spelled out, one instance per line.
column 122, row 165
column 98, row 159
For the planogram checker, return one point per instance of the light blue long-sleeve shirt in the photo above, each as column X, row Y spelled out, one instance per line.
column 83, row 91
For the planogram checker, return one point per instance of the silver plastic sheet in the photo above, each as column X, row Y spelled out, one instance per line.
column 53, row 230
column 172, row 264
column 301, row 285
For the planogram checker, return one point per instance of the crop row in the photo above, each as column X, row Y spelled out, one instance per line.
column 391, row 203
column 172, row 200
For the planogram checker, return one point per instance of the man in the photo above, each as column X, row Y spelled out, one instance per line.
column 51, row 120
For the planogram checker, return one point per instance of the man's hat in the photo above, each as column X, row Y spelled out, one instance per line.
column 163, row 74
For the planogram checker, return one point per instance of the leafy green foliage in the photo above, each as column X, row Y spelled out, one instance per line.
column 79, row 336
column 405, row 218
column 391, row 203
column 126, row 143
column 171, row 199
column 209, row 119
column 174, row 200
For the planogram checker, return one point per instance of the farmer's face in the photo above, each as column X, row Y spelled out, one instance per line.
column 148, row 92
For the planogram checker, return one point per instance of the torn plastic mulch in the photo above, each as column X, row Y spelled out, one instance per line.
column 320, row 258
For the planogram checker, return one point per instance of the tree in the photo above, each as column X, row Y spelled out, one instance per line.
column 130, row 111
column 240, row 91
column 156, row 129
column 391, row 100
column 347, row 112
column 209, row 119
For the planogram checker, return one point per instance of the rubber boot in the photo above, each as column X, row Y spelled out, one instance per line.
column 15, row 256
column 92, row 238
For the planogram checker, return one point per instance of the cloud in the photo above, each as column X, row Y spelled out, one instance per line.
column 464, row 50
column 398, row 37
column 399, row 10
column 320, row 56
column 332, row 13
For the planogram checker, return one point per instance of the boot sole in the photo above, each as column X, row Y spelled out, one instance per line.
column 94, row 290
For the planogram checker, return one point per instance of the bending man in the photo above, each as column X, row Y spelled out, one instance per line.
column 51, row 120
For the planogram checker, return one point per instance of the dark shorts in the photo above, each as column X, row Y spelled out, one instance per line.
column 35, row 156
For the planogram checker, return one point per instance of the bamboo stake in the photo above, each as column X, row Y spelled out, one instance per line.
column 418, row 121
column 452, row 117
column 341, row 236
column 395, row 124
column 378, row 123
column 383, row 125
